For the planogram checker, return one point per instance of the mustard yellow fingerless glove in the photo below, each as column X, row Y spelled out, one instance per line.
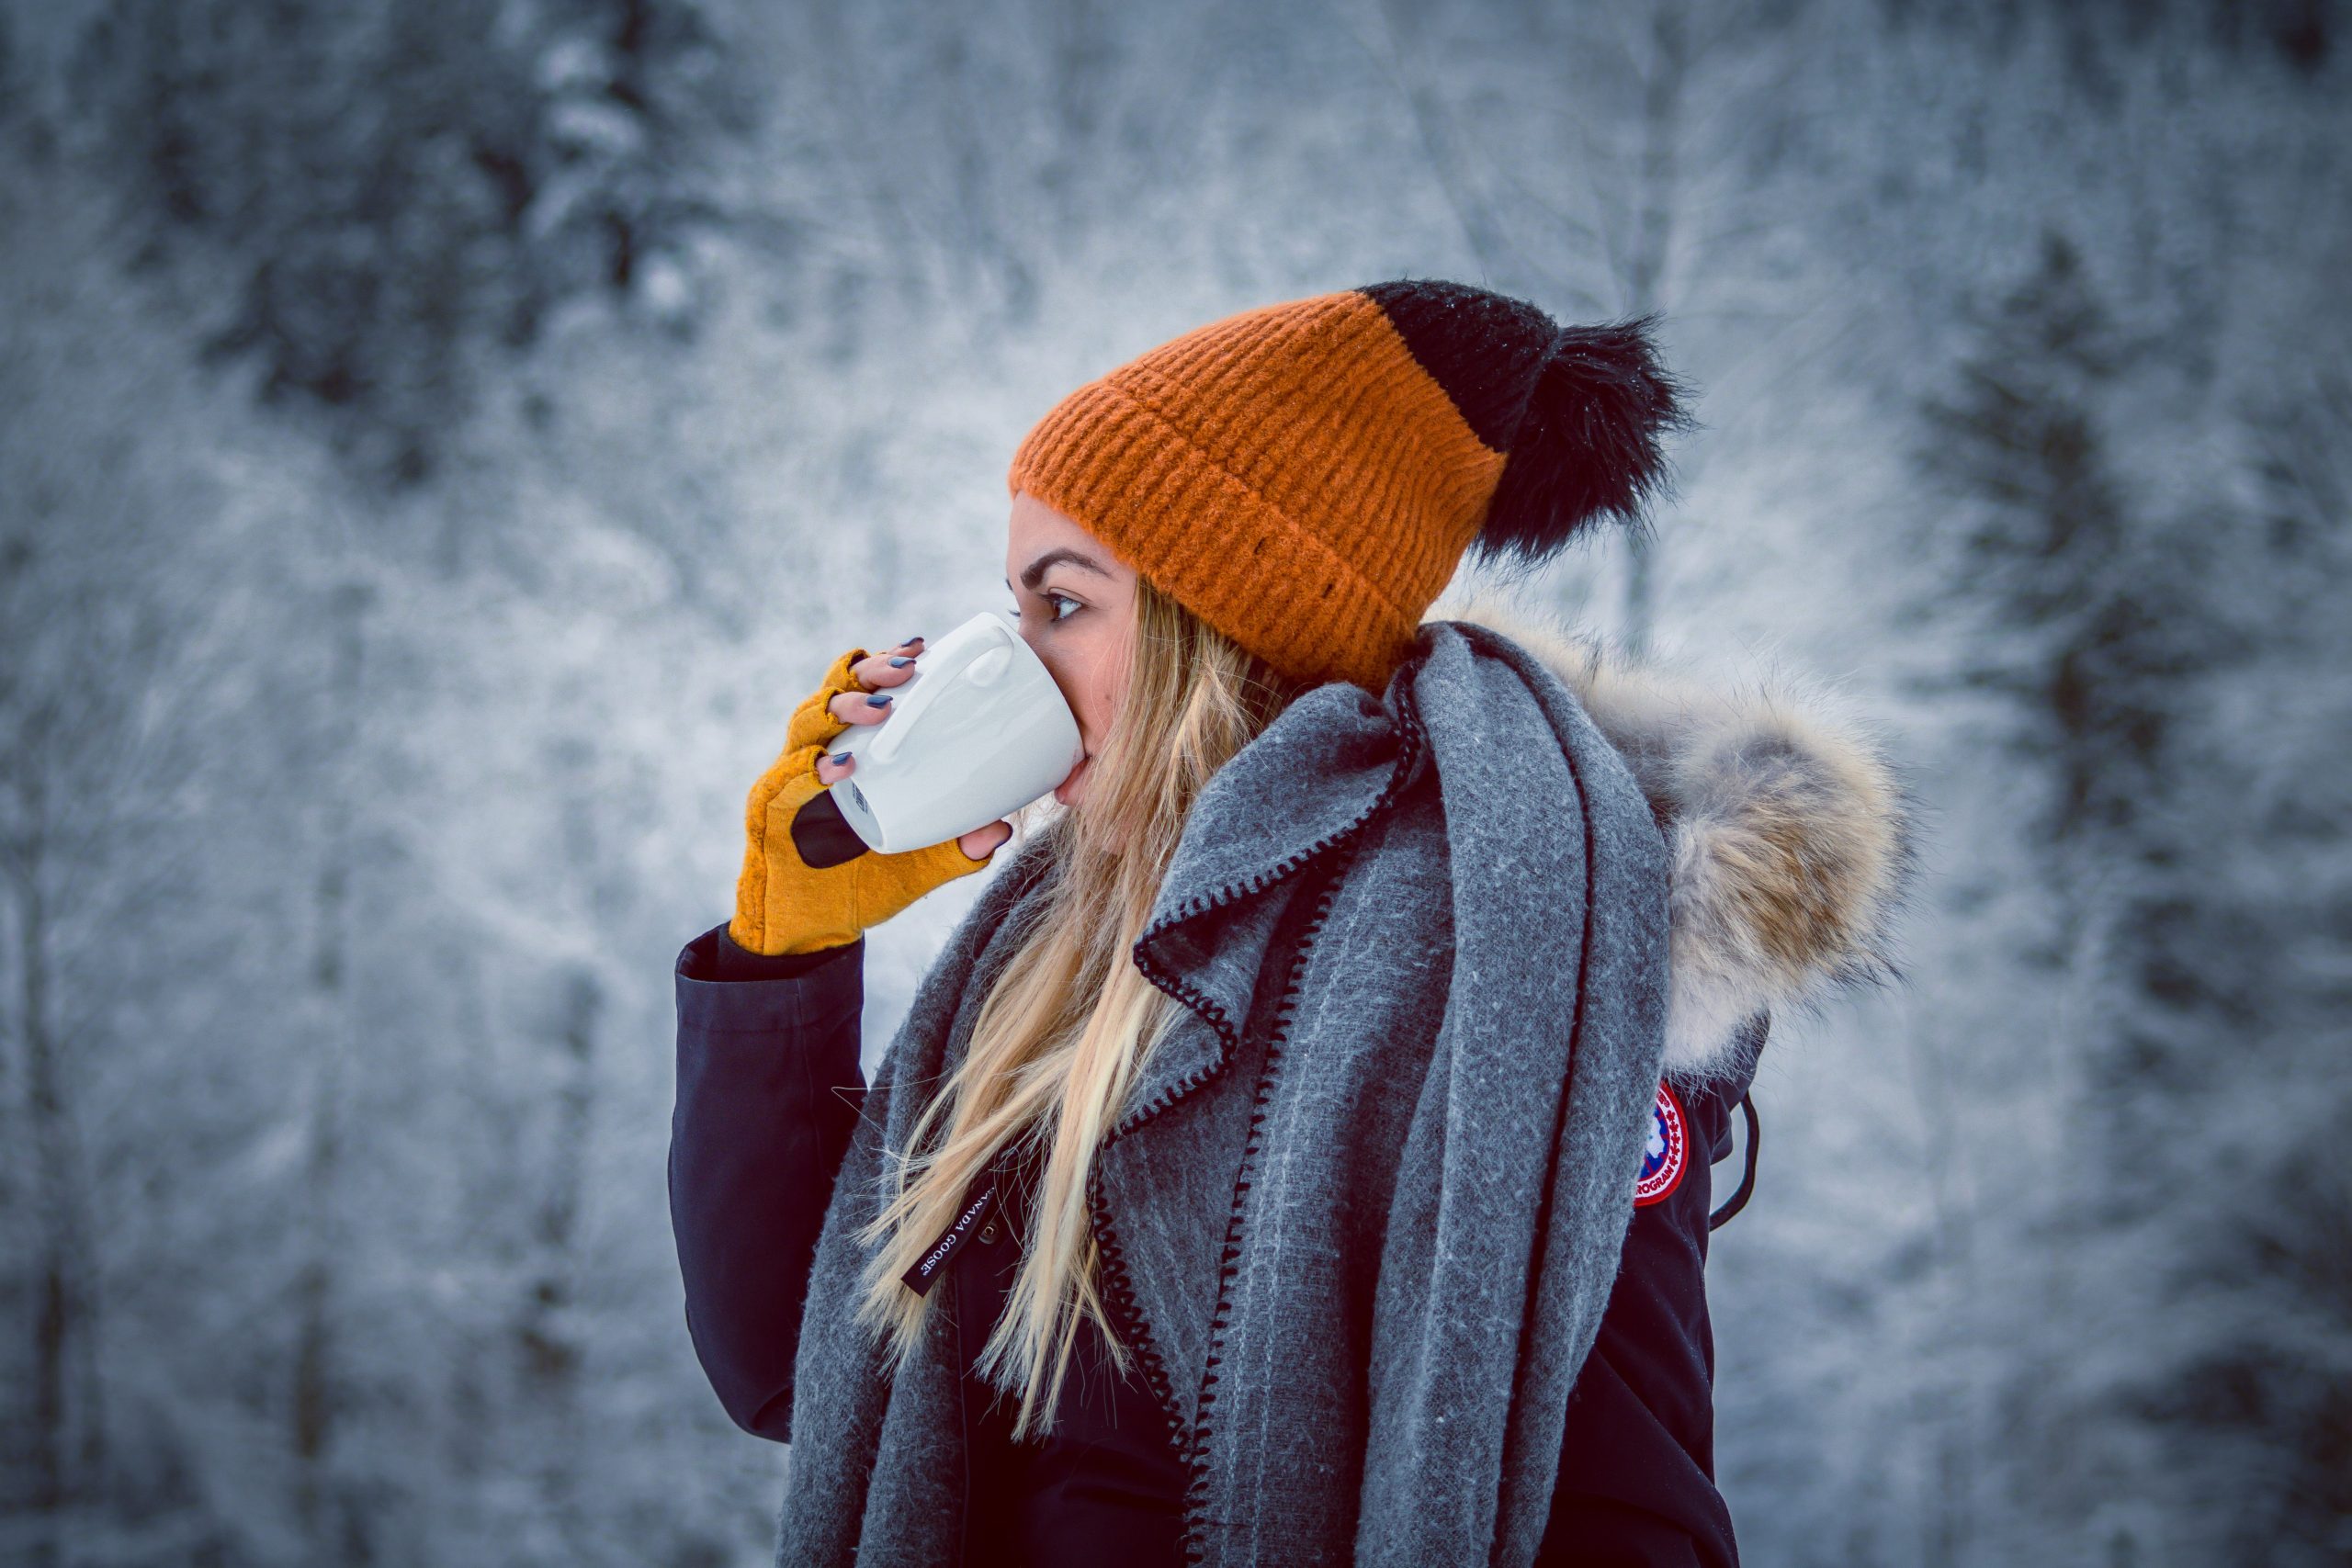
column 809, row 881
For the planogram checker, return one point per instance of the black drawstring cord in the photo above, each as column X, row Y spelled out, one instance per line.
column 1738, row 1199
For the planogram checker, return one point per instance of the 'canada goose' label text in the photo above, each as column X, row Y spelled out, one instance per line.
column 934, row 1258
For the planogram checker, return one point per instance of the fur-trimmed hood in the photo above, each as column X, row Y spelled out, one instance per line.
column 1792, row 835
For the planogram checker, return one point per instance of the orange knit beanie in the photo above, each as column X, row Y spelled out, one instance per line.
column 1305, row 477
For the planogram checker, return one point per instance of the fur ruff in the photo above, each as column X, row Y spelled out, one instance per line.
column 1793, row 836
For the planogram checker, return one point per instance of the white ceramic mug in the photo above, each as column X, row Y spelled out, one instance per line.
column 978, row 731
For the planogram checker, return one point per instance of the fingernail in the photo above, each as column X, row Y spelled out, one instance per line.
column 910, row 641
column 842, row 757
column 900, row 663
column 882, row 702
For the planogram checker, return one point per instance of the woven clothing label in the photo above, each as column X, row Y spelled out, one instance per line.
column 935, row 1256
column 1668, row 1152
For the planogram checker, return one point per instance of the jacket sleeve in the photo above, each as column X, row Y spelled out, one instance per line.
column 769, row 1091
column 1636, row 1482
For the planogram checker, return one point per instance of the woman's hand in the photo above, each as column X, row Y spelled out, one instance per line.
column 809, row 881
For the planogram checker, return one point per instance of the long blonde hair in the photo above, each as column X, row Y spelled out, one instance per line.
column 1070, row 1019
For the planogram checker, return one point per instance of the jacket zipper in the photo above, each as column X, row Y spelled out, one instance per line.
column 996, row 1176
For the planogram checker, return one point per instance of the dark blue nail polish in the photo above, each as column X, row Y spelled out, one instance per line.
column 900, row 663
column 917, row 638
column 881, row 702
column 843, row 757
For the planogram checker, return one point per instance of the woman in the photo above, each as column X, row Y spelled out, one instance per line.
column 1295, row 1155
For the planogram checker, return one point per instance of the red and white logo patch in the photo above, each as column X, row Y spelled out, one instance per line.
column 1668, row 1152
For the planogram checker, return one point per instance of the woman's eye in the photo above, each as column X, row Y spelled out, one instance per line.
column 1056, row 601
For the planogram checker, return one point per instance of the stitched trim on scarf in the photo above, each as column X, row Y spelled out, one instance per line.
column 1229, row 1266
column 1118, row 1289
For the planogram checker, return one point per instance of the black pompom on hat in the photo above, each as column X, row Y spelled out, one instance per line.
column 1582, row 412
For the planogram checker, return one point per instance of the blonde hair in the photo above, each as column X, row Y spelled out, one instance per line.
column 1070, row 1019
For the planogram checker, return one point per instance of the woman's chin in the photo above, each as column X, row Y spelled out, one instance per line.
column 1070, row 788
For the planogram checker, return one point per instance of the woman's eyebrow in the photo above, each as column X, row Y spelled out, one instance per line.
column 1034, row 572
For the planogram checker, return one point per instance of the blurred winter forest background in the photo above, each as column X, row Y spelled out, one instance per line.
column 440, row 440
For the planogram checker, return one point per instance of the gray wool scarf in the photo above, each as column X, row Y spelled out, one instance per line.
column 1365, row 1204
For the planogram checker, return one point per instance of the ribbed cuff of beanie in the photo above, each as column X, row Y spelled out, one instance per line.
column 1237, row 559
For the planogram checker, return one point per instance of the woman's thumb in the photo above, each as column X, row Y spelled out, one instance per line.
column 983, row 842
